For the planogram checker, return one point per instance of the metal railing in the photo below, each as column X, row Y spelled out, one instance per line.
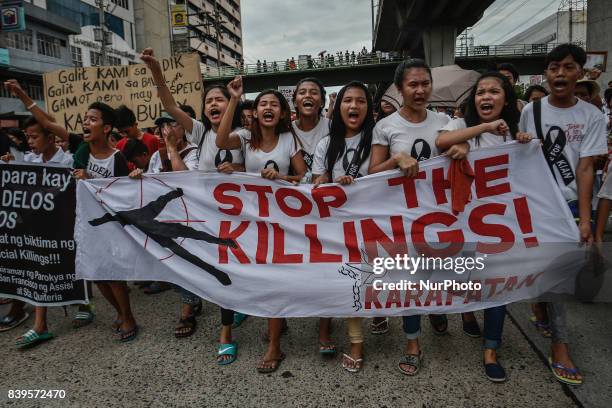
column 511, row 50
column 307, row 64
column 334, row 61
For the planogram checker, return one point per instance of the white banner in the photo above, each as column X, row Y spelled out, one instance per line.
column 304, row 252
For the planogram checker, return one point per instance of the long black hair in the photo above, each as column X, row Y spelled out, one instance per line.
column 509, row 113
column 337, row 129
column 207, row 125
column 284, row 124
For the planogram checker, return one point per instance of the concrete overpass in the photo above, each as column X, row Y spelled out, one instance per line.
column 528, row 58
column 424, row 28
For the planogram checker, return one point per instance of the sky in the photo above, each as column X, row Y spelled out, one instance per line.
column 281, row 29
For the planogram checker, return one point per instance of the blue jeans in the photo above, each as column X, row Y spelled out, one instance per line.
column 493, row 326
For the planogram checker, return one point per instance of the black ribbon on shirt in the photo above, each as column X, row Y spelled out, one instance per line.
column 553, row 145
column 308, row 158
column 420, row 150
column 351, row 167
column 227, row 157
column 271, row 164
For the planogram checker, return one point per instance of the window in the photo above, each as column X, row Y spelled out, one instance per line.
column 110, row 60
column 122, row 3
column 35, row 92
column 77, row 56
column 20, row 40
column 95, row 58
column 48, row 45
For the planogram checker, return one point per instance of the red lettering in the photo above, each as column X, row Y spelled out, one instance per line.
column 454, row 238
column 493, row 283
column 235, row 202
column 414, row 296
column 261, row 255
column 305, row 204
column 482, row 177
column 320, row 194
column 371, row 296
column 478, row 226
column 262, row 199
column 433, row 295
column 440, row 184
column 350, row 241
column 226, row 232
column 316, row 248
column 373, row 235
column 279, row 256
column 409, row 188
column 393, row 299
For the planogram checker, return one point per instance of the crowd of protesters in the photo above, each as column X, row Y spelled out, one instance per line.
column 380, row 133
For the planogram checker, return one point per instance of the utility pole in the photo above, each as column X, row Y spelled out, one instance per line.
column 101, row 33
column 215, row 21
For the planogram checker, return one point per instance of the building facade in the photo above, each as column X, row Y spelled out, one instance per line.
column 44, row 46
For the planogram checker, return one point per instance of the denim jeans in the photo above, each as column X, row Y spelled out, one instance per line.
column 412, row 326
column 493, row 326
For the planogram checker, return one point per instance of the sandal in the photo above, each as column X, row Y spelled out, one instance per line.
column 350, row 364
column 10, row 322
column 239, row 318
column 197, row 309
column 228, row 349
column 563, row 378
column 156, row 287
column 190, row 323
column 542, row 326
column 125, row 336
column 439, row 323
column 381, row 327
column 412, row 360
column 83, row 318
column 327, row 348
column 31, row 339
column 116, row 325
column 270, row 369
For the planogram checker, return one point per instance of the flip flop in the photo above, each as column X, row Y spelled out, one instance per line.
column 414, row 360
column 189, row 323
column 229, row 349
column 126, row 336
column 82, row 318
column 562, row 378
column 239, row 318
column 268, row 370
column 542, row 326
column 10, row 322
column 357, row 363
column 31, row 339
column 327, row 348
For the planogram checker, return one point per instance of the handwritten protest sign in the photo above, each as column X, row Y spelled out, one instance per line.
column 68, row 92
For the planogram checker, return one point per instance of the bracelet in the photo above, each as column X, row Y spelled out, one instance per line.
column 31, row 106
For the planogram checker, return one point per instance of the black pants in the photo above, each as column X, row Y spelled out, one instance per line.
column 227, row 317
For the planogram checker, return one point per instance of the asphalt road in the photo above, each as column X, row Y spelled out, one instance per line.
column 159, row 370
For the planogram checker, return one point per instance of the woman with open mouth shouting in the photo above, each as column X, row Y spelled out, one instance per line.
column 342, row 157
column 271, row 149
column 310, row 126
column 210, row 158
column 491, row 119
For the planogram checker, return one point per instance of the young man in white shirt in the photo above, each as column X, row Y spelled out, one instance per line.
column 572, row 132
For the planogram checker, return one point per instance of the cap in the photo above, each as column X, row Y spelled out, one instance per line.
column 164, row 118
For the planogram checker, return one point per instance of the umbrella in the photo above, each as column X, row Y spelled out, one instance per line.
column 393, row 96
column 451, row 85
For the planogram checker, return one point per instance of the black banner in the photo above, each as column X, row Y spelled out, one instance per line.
column 37, row 248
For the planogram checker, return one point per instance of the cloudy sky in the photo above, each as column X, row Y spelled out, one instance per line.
column 280, row 29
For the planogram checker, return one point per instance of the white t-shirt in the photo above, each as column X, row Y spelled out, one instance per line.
column 606, row 188
column 17, row 154
column 279, row 158
column 486, row 139
column 416, row 139
column 105, row 168
column 59, row 157
column 579, row 130
column 210, row 155
column 311, row 139
column 190, row 160
column 342, row 164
